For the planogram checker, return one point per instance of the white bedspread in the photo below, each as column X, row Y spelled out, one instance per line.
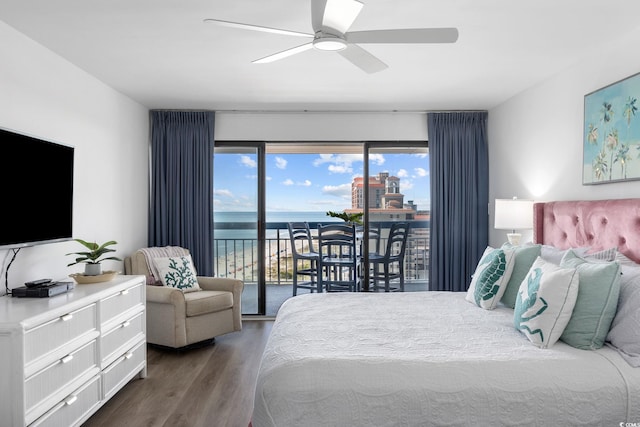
column 429, row 359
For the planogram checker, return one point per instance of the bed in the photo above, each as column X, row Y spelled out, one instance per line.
column 435, row 359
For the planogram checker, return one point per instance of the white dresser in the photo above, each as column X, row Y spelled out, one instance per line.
column 63, row 357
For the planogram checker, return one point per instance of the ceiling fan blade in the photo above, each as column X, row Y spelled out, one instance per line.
column 317, row 13
column 334, row 16
column 257, row 28
column 362, row 59
column 284, row 54
column 409, row 35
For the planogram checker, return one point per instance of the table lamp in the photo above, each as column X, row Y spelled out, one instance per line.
column 514, row 214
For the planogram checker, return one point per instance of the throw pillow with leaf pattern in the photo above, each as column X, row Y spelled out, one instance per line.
column 545, row 302
column 490, row 279
column 178, row 272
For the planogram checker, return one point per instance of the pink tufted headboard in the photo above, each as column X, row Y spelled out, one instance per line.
column 599, row 224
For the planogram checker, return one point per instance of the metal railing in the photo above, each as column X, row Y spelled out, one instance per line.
column 238, row 257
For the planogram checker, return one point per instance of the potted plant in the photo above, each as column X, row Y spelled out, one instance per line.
column 93, row 257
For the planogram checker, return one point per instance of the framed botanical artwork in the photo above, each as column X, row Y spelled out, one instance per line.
column 611, row 146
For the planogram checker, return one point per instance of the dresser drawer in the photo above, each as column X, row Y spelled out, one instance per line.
column 114, row 343
column 61, row 377
column 74, row 408
column 116, row 305
column 122, row 370
column 59, row 333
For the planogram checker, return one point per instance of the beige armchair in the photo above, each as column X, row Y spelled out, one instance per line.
column 176, row 319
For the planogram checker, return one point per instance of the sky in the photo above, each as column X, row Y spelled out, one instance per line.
column 312, row 182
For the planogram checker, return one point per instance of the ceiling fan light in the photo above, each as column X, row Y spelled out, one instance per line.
column 329, row 44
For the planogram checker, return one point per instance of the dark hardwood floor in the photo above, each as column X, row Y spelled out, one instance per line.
column 211, row 386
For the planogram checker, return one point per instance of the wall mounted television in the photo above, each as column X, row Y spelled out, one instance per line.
column 37, row 195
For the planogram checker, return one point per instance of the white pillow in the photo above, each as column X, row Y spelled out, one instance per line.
column 624, row 260
column 178, row 272
column 624, row 334
column 554, row 255
column 603, row 255
column 490, row 279
column 545, row 302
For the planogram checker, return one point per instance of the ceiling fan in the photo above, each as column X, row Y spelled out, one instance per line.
column 331, row 20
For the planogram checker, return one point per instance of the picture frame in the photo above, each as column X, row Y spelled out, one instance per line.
column 611, row 142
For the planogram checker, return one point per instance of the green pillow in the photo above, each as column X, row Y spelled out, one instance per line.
column 596, row 304
column 523, row 260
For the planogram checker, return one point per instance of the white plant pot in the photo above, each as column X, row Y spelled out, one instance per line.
column 92, row 269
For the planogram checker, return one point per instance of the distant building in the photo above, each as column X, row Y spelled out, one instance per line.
column 386, row 203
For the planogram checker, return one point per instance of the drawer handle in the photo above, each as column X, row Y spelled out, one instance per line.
column 67, row 358
column 125, row 324
column 66, row 317
column 128, row 355
column 69, row 400
column 125, row 292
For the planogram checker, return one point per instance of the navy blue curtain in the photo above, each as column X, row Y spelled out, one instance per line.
column 459, row 168
column 181, row 201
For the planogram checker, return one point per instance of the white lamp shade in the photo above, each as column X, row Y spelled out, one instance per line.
column 513, row 214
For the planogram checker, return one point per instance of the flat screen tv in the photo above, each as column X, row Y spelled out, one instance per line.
column 37, row 194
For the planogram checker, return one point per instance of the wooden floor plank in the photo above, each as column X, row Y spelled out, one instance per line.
column 203, row 387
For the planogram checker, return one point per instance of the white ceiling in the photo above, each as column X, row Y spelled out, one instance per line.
column 161, row 53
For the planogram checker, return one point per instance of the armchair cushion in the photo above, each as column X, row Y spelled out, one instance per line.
column 207, row 302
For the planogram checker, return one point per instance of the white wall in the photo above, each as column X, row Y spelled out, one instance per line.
column 535, row 138
column 45, row 96
column 318, row 126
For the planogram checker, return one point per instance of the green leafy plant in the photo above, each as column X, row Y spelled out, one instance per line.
column 95, row 253
column 355, row 218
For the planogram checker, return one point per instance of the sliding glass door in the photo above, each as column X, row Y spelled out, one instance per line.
column 238, row 216
column 260, row 187
column 398, row 190
column 304, row 181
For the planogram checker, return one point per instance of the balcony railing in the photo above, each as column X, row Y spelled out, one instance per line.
column 238, row 257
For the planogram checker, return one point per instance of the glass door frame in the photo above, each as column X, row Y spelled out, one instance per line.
column 385, row 146
column 259, row 147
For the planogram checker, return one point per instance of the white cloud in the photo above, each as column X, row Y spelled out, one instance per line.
column 225, row 193
column 234, row 204
column 346, row 159
column 377, row 159
column 343, row 163
column 287, row 182
column 281, row 163
column 421, row 172
column 421, row 155
column 406, row 184
column 247, row 161
column 341, row 190
column 305, row 183
column 324, row 158
column 340, row 169
column 402, row 173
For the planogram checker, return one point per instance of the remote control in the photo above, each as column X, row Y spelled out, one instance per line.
column 36, row 283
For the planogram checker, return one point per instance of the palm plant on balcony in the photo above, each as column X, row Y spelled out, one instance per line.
column 350, row 218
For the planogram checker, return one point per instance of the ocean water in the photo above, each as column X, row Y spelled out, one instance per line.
column 242, row 225
column 279, row 216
